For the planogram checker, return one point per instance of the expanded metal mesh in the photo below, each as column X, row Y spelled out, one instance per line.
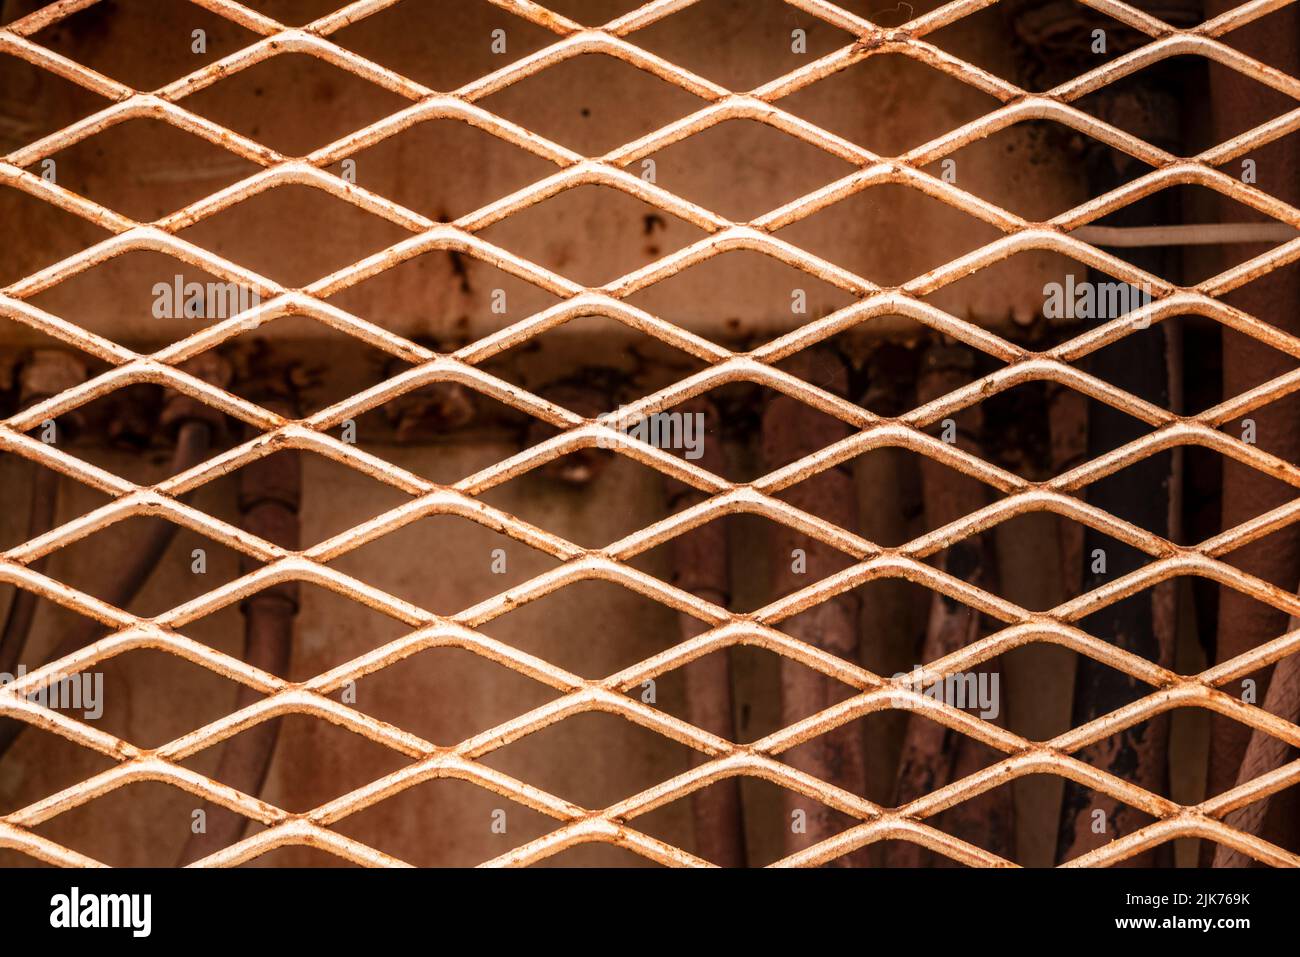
column 617, row 824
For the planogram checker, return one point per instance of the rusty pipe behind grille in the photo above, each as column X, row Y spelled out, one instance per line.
column 1264, row 753
column 270, row 493
column 701, row 567
column 932, row 755
column 1243, row 622
column 192, row 444
column 1144, row 625
column 46, row 373
column 790, row 430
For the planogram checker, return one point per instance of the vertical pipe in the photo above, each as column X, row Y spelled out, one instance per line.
column 934, row 756
column 791, row 430
column 270, row 490
column 1144, row 624
column 1068, row 424
column 1265, row 753
column 1243, row 622
column 1147, row 104
column 194, row 431
column 46, row 373
column 701, row 567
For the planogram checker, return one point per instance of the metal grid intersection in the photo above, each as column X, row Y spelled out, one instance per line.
column 616, row 824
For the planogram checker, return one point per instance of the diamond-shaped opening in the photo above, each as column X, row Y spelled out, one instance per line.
column 1136, row 494
column 869, row 471
column 873, row 103
column 467, row 168
column 592, row 497
column 444, row 45
column 582, row 103
column 444, row 295
column 757, row 716
column 762, row 297
column 49, row 235
column 785, row 547
column 1193, row 78
column 959, row 755
column 39, row 102
column 1019, row 532
column 147, row 697
column 742, row 409
column 329, row 630
column 314, row 762
column 1195, row 204
column 1037, row 682
column 1015, row 430
column 986, row 820
column 294, row 103
column 741, row 46
column 476, row 563
column 41, row 763
column 909, row 607
column 138, row 449
column 146, row 297
column 1112, row 428
column 168, row 168
column 743, row 168
column 266, row 233
column 1031, row 169
column 592, row 234
column 17, row 475
column 470, row 430
column 640, row 363
column 1118, row 753
column 1204, row 343
column 446, row 823
column 573, row 628
column 191, row 566
column 1130, row 620
column 767, row 819
column 341, row 497
column 320, row 379
column 141, row 824
column 894, row 614
column 111, row 38
column 461, row 694
column 592, row 759
column 922, row 232
column 1050, row 44
column 52, row 626
column 1038, row 294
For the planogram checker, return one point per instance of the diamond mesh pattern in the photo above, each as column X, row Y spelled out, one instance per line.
column 617, row 824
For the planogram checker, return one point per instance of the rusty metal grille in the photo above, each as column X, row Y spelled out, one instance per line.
column 617, row 824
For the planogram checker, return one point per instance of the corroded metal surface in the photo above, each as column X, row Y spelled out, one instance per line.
column 617, row 824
